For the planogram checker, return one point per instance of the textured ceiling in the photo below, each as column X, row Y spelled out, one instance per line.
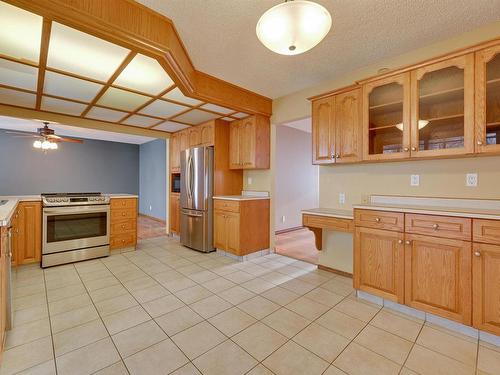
column 220, row 37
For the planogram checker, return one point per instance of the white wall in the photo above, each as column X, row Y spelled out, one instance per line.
column 296, row 177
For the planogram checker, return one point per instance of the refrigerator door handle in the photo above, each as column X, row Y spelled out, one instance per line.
column 188, row 177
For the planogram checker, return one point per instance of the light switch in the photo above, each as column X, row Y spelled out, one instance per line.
column 415, row 180
column 471, row 179
column 249, row 180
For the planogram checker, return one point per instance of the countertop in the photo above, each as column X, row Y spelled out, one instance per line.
column 330, row 212
column 239, row 197
column 122, row 195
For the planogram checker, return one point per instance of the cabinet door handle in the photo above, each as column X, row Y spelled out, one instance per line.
column 480, row 143
column 332, row 156
column 435, row 226
column 377, row 219
column 123, row 214
column 414, row 149
column 406, row 149
column 337, row 156
column 408, row 242
column 400, row 242
column 477, row 254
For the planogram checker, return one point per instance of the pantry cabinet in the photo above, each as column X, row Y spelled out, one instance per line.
column 27, row 233
column 4, row 238
column 249, row 143
column 175, row 212
column 175, row 153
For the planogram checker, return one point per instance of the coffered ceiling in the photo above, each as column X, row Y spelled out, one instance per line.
column 221, row 40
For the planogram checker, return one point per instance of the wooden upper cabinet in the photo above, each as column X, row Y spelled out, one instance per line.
column 438, row 276
column 386, row 118
column 486, row 290
column 183, row 139
column 442, row 110
column 207, row 135
column 323, row 130
column 194, row 136
column 175, row 153
column 347, row 118
column 249, row 143
column 488, row 100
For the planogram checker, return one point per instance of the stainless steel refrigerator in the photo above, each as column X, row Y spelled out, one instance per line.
column 197, row 169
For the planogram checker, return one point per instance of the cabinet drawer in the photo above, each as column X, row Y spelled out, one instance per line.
column 379, row 219
column 439, row 226
column 122, row 240
column 123, row 203
column 123, row 213
column 123, row 226
column 222, row 205
column 326, row 222
column 486, row 231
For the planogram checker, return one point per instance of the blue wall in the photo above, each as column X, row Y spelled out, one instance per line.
column 153, row 179
column 109, row 167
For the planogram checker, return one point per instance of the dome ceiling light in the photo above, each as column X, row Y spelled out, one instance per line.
column 293, row 27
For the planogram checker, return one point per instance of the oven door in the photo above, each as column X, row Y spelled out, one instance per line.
column 75, row 227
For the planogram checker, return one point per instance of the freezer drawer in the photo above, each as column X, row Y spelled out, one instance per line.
column 196, row 230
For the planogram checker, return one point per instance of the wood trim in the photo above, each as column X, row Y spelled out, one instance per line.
column 154, row 218
column 333, row 270
column 335, row 92
column 288, row 230
column 44, row 51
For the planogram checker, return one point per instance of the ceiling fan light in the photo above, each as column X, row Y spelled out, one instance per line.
column 53, row 146
column 293, row 27
column 37, row 144
column 45, row 145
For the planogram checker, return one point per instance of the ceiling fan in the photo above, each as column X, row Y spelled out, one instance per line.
column 47, row 139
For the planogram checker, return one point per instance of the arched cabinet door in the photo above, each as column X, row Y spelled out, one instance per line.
column 487, row 111
column 348, row 113
column 323, row 130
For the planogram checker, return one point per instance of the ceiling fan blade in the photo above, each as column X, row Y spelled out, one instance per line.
column 64, row 139
column 26, row 134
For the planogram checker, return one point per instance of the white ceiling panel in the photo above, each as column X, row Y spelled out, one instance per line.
column 18, row 75
column 217, row 108
column 144, row 74
column 177, row 95
column 105, row 114
column 69, row 87
column 121, row 99
column 240, row 115
column 62, row 106
column 228, row 119
column 142, row 121
column 196, row 116
column 20, row 33
column 170, row 126
column 18, row 98
column 73, row 51
column 161, row 108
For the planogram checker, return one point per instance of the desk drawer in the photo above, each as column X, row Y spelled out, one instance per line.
column 327, row 222
column 223, row 205
column 117, row 203
column 379, row 219
column 486, row 231
column 123, row 213
column 439, row 226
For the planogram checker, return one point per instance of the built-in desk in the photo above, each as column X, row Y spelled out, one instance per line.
column 317, row 219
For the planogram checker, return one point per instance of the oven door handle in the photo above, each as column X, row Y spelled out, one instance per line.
column 74, row 210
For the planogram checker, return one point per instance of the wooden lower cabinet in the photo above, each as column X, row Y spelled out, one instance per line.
column 123, row 226
column 3, row 285
column 379, row 263
column 27, row 233
column 438, row 276
column 486, row 287
column 175, row 213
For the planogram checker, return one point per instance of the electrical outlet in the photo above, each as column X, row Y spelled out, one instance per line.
column 341, row 198
column 283, row 219
column 415, row 180
column 150, row 208
column 471, row 179
column 249, row 180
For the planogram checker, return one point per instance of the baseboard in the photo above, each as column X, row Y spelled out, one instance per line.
column 333, row 270
column 288, row 230
column 154, row 218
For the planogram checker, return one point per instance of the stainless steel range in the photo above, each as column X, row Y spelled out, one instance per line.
column 75, row 227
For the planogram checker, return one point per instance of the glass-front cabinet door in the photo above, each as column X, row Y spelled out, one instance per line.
column 442, row 114
column 488, row 100
column 386, row 118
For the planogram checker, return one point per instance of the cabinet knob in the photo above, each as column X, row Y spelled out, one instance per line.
column 408, row 242
column 406, row 149
column 123, row 213
column 332, row 156
column 337, row 156
column 477, row 254
column 480, row 143
column 400, row 242
column 123, row 226
column 414, row 149
column 377, row 219
column 435, row 226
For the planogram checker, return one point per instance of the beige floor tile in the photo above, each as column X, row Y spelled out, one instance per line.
column 73, row 318
column 307, row 308
column 26, row 356
column 28, row 290
column 198, row 339
column 428, row 362
column 28, row 332
column 193, row 294
column 65, row 292
column 488, row 360
column 225, row 359
column 117, row 368
column 232, row 321
column 28, row 315
column 22, row 303
column 324, row 297
column 187, row 369
column 341, row 323
column 239, row 277
column 280, row 296
column 125, row 319
column 322, row 342
column 462, row 349
column 150, row 293
column 332, row 370
column 407, row 371
column 236, row 295
column 357, row 360
column 162, row 305
column 69, row 304
column 88, row 359
column 286, row 322
column 259, row 370
column 164, row 355
column 257, row 285
column 178, row 320
column 405, row 327
column 79, row 336
column 140, row 283
column 107, row 293
column 259, row 340
column 218, row 285
column 276, row 278
column 384, row 343
column 113, row 305
column 98, row 274
column 258, row 307
column 93, row 285
column 292, row 359
column 297, row 286
column 358, row 309
column 137, row 338
column 46, row 368
column 179, row 284
column 203, row 276
column 210, row 306
column 338, row 287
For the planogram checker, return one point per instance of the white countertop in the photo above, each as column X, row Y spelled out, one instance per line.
column 22, row 198
column 239, row 197
column 122, row 195
column 7, row 210
column 330, row 212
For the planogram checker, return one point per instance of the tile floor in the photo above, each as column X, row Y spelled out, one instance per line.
column 298, row 244
column 166, row 309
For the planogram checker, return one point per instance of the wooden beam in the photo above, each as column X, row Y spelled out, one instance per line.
column 44, row 51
